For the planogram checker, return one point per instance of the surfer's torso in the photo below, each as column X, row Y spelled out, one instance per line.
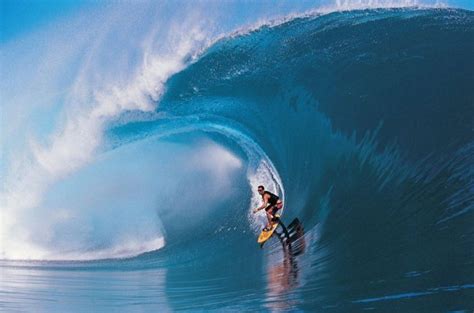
column 273, row 198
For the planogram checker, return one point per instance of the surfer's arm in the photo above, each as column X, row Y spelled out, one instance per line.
column 264, row 205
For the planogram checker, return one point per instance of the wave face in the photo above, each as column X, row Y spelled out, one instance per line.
column 362, row 120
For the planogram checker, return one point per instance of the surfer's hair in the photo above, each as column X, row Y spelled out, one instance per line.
column 261, row 187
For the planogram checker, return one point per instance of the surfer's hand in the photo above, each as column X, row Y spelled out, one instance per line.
column 255, row 211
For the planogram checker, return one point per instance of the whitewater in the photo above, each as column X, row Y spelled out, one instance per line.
column 133, row 140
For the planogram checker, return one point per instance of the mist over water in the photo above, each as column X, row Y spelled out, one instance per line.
column 129, row 171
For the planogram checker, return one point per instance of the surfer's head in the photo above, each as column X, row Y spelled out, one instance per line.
column 261, row 189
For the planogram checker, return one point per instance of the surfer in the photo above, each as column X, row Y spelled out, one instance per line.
column 271, row 204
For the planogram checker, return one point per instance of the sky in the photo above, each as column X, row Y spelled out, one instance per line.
column 19, row 16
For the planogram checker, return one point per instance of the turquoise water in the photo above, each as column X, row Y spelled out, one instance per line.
column 361, row 120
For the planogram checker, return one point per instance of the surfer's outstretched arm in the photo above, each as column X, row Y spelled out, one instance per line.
column 264, row 205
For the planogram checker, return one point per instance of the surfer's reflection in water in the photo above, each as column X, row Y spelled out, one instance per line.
column 282, row 273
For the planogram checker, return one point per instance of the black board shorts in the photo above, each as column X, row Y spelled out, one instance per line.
column 272, row 209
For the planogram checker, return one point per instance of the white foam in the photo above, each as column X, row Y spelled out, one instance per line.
column 89, row 104
column 215, row 158
column 125, row 249
column 332, row 7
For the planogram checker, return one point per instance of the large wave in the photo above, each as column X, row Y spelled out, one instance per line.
column 362, row 121
column 360, row 126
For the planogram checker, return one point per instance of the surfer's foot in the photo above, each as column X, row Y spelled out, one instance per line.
column 266, row 228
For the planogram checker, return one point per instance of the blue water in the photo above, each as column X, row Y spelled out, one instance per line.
column 362, row 120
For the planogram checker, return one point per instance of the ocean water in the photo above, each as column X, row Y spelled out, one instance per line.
column 362, row 120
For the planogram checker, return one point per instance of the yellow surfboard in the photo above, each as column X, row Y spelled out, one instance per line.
column 266, row 234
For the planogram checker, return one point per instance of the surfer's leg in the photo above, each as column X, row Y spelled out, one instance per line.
column 269, row 217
